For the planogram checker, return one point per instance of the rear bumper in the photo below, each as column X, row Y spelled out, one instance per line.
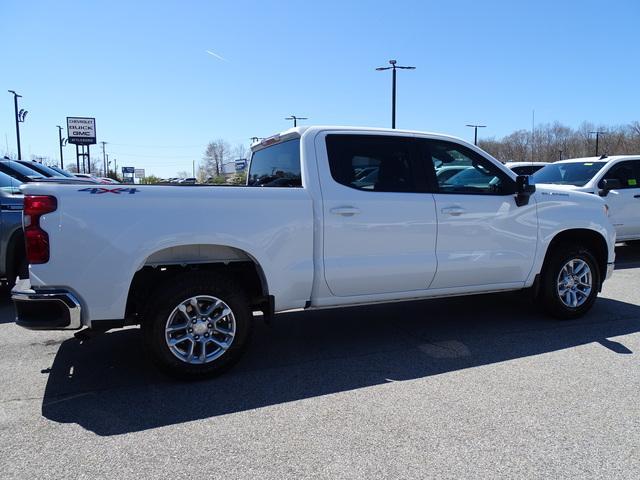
column 45, row 309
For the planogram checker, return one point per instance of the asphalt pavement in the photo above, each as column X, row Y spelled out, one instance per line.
column 467, row 387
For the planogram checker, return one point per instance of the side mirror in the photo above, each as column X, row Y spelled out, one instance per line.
column 607, row 184
column 525, row 186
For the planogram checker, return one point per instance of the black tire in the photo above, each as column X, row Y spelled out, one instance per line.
column 169, row 296
column 549, row 295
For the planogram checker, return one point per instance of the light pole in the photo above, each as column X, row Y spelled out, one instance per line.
column 104, row 159
column 475, row 132
column 62, row 142
column 394, row 66
column 20, row 116
column 295, row 119
column 597, row 134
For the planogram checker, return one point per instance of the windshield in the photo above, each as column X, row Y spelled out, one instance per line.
column 26, row 171
column 62, row 172
column 42, row 169
column 575, row 173
column 276, row 166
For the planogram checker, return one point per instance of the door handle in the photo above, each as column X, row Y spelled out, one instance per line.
column 345, row 211
column 636, row 196
column 454, row 211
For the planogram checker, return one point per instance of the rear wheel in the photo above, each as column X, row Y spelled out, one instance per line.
column 570, row 282
column 199, row 326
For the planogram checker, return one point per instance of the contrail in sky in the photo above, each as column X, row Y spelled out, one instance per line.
column 219, row 57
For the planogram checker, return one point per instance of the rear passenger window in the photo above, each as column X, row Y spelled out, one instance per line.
column 276, row 166
column 372, row 163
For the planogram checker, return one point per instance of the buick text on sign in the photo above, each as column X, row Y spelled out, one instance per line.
column 81, row 130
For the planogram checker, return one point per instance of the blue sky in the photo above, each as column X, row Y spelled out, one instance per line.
column 141, row 68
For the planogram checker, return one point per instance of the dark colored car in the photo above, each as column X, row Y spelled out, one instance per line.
column 12, row 254
column 50, row 172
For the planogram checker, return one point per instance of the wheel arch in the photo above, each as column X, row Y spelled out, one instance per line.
column 160, row 266
column 592, row 239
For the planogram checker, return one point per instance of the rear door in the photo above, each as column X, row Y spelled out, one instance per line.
column 379, row 221
column 484, row 238
column 624, row 203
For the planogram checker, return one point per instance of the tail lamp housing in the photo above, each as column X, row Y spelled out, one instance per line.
column 36, row 239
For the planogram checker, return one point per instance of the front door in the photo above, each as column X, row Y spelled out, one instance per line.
column 624, row 203
column 484, row 238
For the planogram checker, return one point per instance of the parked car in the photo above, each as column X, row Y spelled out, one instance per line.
column 12, row 255
column 616, row 179
column 444, row 173
column 318, row 240
column 19, row 171
column 62, row 171
column 187, row 181
column 525, row 168
column 51, row 173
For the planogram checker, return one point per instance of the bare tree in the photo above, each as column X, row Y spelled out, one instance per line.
column 215, row 155
column 551, row 141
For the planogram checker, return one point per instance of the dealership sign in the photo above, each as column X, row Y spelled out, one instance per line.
column 81, row 130
column 138, row 173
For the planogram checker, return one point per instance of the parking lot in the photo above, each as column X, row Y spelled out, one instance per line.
column 464, row 387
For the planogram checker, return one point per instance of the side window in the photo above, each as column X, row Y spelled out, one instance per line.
column 276, row 166
column 461, row 170
column 372, row 163
column 626, row 173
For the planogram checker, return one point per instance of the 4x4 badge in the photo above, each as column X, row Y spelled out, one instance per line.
column 101, row 190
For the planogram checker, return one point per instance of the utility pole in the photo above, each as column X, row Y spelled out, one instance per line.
column 104, row 158
column 20, row 116
column 393, row 68
column 475, row 134
column 194, row 168
column 61, row 142
column 597, row 134
column 295, row 119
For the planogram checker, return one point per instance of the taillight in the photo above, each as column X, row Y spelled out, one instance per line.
column 36, row 239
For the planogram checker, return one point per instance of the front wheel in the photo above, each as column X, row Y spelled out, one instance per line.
column 570, row 282
column 199, row 326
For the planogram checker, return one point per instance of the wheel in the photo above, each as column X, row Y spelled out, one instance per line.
column 197, row 325
column 570, row 281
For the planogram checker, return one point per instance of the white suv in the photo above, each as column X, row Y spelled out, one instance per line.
column 617, row 179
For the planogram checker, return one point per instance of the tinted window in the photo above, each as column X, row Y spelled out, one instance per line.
column 574, row 173
column 43, row 169
column 9, row 184
column 372, row 162
column 625, row 173
column 276, row 166
column 461, row 170
column 26, row 171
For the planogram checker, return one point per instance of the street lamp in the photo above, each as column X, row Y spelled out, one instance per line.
column 393, row 68
column 62, row 142
column 20, row 116
column 295, row 119
column 475, row 133
column 597, row 134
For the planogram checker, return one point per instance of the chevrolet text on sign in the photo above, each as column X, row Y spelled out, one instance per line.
column 81, row 130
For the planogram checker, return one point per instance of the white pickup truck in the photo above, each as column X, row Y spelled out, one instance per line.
column 330, row 217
